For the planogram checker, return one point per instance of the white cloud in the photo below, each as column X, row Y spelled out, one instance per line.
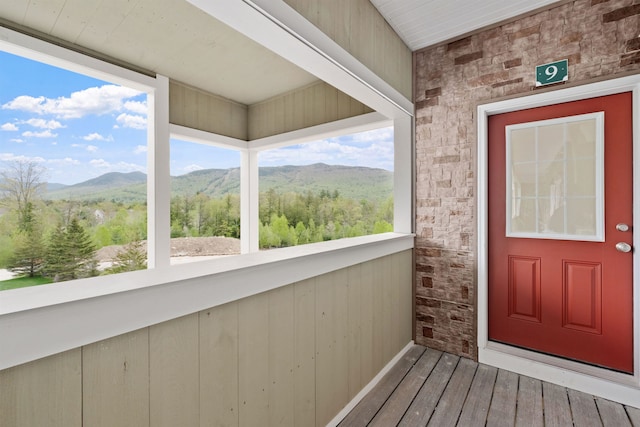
column 9, row 127
column 370, row 149
column 17, row 140
column 96, row 137
column 67, row 161
column 44, row 134
column 95, row 100
column 140, row 149
column 77, row 145
column 192, row 168
column 10, row 157
column 139, row 107
column 106, row 166
column 44, row 124
column 92, row 148
column 132, row 121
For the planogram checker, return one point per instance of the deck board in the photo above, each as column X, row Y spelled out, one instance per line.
column 612, row 414
column 450, row 405
column 428, row 397
column 427, row 387
column 584, row 410
column 502, row 411
column 529, row 410
column 476, row 407
column 398, row 403
column 634, row 416
column 364, row 412
column 557, row 412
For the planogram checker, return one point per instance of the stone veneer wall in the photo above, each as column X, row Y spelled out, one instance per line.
column 600, row 38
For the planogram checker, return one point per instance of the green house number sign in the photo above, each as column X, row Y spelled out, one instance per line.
column 553, row 72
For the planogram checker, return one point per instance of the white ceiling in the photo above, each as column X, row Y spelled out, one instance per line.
column 178, row 40
column 422, row 23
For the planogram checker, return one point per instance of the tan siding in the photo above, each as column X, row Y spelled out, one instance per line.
column 293, row 356
column 281, row 356
column 355, row 328
column 308, row 106
column 46, row 392
column 253, row 371
column 219, row 366
column 358, row 27
column 332, row 352
column 115, row 381
column 305, row 353
column 367, row 369
column 196, row 109
column 377, row 338
column 174, row 372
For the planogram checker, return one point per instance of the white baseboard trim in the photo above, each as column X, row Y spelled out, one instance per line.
column 358, row 397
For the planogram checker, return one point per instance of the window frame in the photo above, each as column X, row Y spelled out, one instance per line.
column 39, row 321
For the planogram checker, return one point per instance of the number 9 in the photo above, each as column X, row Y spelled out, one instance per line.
column 551, row 71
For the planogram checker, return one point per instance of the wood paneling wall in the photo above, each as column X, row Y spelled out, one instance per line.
column 191, row 107
column 358, row 27
column 308, row 106
column 293, row 356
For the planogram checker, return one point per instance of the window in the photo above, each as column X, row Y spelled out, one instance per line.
column 327, row 189
column 73, row 174
column 205, row 201
column 114, row 158
column 555, row 171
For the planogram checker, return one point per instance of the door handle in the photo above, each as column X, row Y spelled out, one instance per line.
column 623, row 247
column 622, row 227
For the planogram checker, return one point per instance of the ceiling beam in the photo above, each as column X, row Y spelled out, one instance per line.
column 281, row 29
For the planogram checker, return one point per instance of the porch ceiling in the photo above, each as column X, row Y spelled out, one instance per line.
column 422, row 23
column 176, row 39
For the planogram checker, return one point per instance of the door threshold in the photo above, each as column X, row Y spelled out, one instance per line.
column 608, row 384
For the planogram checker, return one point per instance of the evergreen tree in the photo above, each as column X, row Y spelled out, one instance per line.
column 29, row 252
column 28, row 246
column 70, row 253
column 132, row 257
column 81, row 250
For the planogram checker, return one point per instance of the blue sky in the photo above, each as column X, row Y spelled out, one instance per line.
column 78, row 128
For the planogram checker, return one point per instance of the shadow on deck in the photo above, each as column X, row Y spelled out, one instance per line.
column 428, row 387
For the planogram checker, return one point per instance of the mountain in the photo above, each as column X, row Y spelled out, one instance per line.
column 352, row 182
column 126, row 187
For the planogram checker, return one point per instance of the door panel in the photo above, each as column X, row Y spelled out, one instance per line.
column 560, row 293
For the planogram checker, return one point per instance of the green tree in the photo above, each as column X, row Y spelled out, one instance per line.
column 70, row 253
column 29, row 252
column 382, row 227
column 130, row 258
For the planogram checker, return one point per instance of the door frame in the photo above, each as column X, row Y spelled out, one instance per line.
column 623, row 388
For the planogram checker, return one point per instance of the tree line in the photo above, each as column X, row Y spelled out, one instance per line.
column 59, row 239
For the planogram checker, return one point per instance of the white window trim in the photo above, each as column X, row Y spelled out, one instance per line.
column 600, row 382
column 40, row 321
column 598, row 236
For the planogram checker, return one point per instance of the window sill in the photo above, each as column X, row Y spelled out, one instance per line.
column 39, row 321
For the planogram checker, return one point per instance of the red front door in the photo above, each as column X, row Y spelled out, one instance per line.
column 558, row 282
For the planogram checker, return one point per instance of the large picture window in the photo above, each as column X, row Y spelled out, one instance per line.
column 73, row 175
column 205, row 201
column 327, row 189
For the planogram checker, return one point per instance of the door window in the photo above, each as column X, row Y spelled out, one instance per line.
column 555, row 178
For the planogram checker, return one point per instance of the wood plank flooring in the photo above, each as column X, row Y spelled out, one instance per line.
column 430, row 388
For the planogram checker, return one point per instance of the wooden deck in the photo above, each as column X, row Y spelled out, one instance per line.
column 428, row 387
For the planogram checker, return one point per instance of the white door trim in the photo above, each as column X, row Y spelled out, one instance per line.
column 615, row 386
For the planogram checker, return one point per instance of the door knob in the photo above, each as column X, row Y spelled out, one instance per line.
column 622, row 227
column 623, row 247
